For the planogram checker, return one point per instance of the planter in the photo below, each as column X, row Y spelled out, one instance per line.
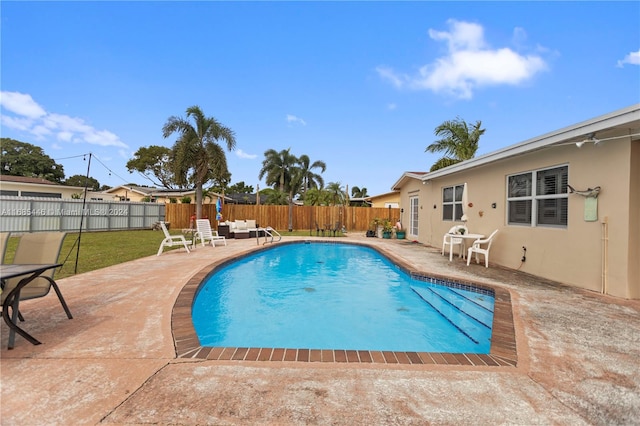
column 401, row 235
column 386, row 234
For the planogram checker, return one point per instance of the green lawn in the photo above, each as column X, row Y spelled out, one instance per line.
column 102, row 249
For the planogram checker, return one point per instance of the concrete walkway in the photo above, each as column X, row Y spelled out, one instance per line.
column 115, row 362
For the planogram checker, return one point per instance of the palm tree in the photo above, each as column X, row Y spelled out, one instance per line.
column 336, row 193
column 357, row 192
column 198, row 158
column 309, row 178
column 280, row 170
column 458, row 142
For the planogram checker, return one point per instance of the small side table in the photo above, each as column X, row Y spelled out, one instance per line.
column 223, row 231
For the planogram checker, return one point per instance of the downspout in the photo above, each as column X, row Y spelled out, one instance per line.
column 605, row 253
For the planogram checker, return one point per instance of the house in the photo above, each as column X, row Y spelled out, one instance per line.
column 388, row 199
column 22, row 186
column 129, row 193
column 589, row 240
column 152, row 194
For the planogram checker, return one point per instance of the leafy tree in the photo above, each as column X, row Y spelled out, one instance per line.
column 154, row 162
column 23, row 159
column 281, row 171
column 240, row 188
column 79, row 180
column 336, row 193
column 458, row 142
column 197, row 156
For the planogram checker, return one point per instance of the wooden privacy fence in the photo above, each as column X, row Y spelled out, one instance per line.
column 304, row 217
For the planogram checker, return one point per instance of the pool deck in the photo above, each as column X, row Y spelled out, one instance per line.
column 116, row 363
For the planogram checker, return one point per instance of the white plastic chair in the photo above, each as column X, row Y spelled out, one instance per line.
column 450, row 240
column 171, row 240
column 205, row 233
column 481, row 246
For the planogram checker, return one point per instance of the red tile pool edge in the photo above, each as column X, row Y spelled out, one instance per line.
column 502, row 353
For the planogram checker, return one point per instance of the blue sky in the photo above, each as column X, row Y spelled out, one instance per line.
column 359, row 85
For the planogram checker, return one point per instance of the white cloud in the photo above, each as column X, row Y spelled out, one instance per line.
column 21, row 104
column 392, row 106
column 31, row 118
column 294, row 119
column 632, row 58
column 469, row 63
column 241, row 154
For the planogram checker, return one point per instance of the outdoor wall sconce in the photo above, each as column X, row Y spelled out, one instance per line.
column 493, row 205
column 434, row 207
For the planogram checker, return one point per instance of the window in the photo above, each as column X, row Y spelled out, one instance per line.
column 40, row 194
column 413, row 212
column 538, row 198
column 452, row 202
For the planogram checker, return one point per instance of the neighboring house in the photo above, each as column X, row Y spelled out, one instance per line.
column 20, row 186
column 522, row 190
column 157, row 195
column 389, row 199
column 129, row 193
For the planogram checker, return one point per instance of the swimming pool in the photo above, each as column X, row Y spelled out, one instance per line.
column 337, row 296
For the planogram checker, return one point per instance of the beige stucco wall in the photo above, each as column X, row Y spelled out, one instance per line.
column 573, row 255
column 380, row 200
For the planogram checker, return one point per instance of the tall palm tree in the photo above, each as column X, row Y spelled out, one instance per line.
column 198, row 158
column 458, row 142
column 280, row 170
column 310, row 179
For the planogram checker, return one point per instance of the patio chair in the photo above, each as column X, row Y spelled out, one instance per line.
column 171, row 240
column 450, row 240
column 205, row 233
column 37, row 248
column 481, row 246
column 4, row 239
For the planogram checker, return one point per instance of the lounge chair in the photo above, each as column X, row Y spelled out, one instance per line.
column 481, row 246
column 450, row 240
column 37, row 248
column 204, row 233
column 171, row 240
column 4, row 239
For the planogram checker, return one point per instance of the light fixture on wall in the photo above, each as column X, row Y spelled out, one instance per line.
column 591, row 137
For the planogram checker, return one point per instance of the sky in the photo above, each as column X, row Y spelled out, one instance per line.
column 359, row 85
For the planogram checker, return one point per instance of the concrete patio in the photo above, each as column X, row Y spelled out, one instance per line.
column 115, row 362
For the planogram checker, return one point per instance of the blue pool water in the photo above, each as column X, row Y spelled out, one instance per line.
column 336, row 296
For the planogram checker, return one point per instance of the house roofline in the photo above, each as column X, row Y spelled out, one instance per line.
column 570, row 134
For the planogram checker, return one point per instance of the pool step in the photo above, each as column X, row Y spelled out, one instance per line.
column 451, row 305
column 467, row 305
